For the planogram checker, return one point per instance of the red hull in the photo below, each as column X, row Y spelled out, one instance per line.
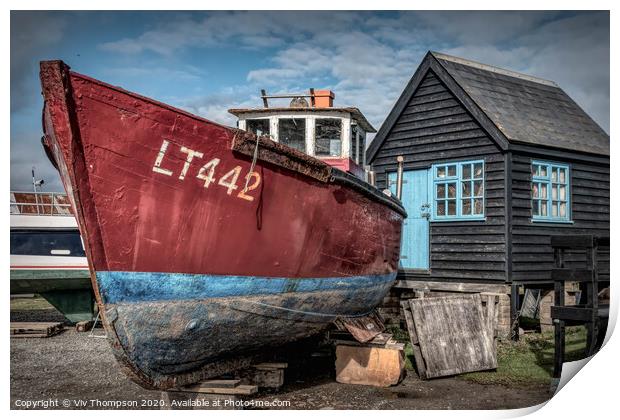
column 137, row 219
column 161, row 200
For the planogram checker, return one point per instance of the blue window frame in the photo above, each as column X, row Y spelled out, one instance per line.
column 550, row 192
column 458, row 191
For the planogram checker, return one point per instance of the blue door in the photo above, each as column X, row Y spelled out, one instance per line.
column 414, row 251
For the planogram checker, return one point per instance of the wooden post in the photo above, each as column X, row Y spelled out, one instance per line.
column 514, row 311
column 592, row 302
column 264, row 96
column 413, row 337
column 559, row 324
column 399, row 177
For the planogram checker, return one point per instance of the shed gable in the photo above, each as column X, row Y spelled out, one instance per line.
column 433, row 126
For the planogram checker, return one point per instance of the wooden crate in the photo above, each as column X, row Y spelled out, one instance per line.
column 35, row 329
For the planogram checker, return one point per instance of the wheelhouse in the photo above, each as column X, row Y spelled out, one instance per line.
column 335, row 135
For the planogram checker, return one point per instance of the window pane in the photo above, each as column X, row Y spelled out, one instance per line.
column 535, row 190
column 441, row 190
column 478, row 189
column 452, row 208
column 452, row 170
column 478, row 206
column 441, row 208
column 466, row 189
column 554, row 174
column 292, row 133
column 352, row 144
column 452, row 190
column 563, row 176
column 554, row 192
column 67, row 243
column 543, row 170
column 361, row 147
column 562, row 192
column 327, row 138
column 478, row 170
column 543, row 207
column 259, row 127
column 536, row 208
column 466, row 207
column 554, row 209
column 534, row 170
column 441, row 172
column 466, row 171
column 562, row 209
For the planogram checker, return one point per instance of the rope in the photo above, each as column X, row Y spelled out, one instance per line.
column 247, row 178
column 318, row 314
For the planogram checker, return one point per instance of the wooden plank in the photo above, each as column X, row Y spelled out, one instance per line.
column 415, row 344
column 35, row 329
column 268, row 378
column 453, row 335
column 363, row 328
column 206, row 389
column 571, row 274
column 221, row 383
column 453, row 287
column 270, row 365
column 83, row 326
column 573, row 313
column 572, row 241
column 489, row 311
column 381, row 340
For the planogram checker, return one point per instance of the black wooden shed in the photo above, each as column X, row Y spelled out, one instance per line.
column 495, row 163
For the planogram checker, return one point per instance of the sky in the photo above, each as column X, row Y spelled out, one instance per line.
column 208, row 62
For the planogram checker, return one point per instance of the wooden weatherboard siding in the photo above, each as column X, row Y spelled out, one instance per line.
column 532, row 258
column 434, row 127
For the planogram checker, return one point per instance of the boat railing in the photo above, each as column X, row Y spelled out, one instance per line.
column 40, row 203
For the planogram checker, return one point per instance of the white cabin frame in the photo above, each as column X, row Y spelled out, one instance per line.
column 311, row 117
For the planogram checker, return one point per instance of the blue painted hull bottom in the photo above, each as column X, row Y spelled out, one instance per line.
column 177, row 328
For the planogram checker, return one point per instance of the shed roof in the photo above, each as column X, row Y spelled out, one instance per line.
column 521, row 108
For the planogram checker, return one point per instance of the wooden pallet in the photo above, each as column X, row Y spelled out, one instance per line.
column 451, row 335
column 35, row 329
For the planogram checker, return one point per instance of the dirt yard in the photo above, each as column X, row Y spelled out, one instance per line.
column 72, row 368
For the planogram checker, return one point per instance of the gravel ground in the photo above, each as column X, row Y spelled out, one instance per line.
column 73, row 366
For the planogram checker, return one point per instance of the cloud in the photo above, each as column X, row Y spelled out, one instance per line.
column 366, row 58
column 371, row 63
column 31, row 34
column 572, row 50
column 186, row 73
column 252, row 30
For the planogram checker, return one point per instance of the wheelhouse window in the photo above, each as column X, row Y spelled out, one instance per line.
column 328, row 137
column 357, row 146
column 458, row 189
column 550, row 192
column 292, row 132
column 361, row 147
column 260, row 127
column 58, row 243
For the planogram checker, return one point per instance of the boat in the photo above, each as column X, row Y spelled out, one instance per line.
column 47, row 254
column 208, row 244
